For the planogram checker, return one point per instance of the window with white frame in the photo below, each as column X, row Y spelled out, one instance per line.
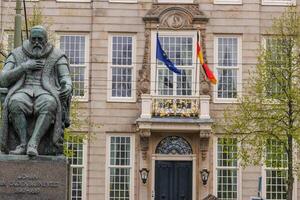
column 76, row 49
column 75, row 153
column 227, row 169
column 275, row 50
column 120, row 167
column 180, row 51
column 274, row 54
column 279, row 2
column 121, row 68
column 275, row 171
column 228, row 67
column 227, row 1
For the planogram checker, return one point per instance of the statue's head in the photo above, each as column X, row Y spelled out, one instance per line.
column 38, row 39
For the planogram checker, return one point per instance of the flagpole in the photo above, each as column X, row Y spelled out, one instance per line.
column 196, row 78
column 156, row 78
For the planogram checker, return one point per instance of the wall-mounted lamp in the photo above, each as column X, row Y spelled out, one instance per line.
column 204, row 176
column 144, row 175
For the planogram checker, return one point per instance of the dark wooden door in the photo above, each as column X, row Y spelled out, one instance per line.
column 173, row 180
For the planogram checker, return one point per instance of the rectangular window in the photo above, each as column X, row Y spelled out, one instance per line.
column 275, row 171
column 181, row 52
column 76, row 155
column 227, row 1
column 122, row 53
column 76, row 49
column 227, row 169
column 228, row 67
column 120, row 167
column 275, row 58
column 279, row 2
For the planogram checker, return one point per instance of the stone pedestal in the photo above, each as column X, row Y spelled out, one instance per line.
column 42, row 178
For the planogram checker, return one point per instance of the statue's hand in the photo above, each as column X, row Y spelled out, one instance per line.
column 33, row 64
column 65, row 92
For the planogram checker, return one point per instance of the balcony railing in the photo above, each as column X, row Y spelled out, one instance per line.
column 175, row 106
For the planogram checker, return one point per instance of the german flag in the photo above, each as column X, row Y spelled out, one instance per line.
column 209, row 74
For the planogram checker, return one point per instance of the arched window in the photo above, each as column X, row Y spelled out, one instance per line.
column 174, row 145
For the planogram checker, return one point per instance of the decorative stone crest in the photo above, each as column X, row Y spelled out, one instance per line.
column 175, row 20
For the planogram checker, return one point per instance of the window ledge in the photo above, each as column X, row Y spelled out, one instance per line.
column 176, row 1
column 234, row 2
column 225, row 101
column 80, row 99
column 76, row 1
column 121, row 100
column 277, row 3
column 123, row 1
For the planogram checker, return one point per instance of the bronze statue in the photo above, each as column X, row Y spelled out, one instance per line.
column 36, row 106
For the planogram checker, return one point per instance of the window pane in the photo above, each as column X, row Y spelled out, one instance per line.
column 276, row 184
column 227, row 178
column 227, row 83
column 180, row 51
column 227, row 152
column 121, row 50
column 165, row 82
column 184, row 82
column 119, row 187
column 122, row 81
column 122, row 55
column 275, row 58
column 227, row 51
column 227, row 58
column 227, row 184
column 120, row 155
column 276, row 158
column 120, row 151
column 75, row 154
column 74, row 48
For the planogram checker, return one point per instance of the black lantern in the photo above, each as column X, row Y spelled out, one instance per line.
column 144, row 175
column 204, row 176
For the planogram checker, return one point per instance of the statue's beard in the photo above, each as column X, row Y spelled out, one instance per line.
column 37, row 51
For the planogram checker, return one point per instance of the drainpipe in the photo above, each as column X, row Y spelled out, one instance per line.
column 18, row 25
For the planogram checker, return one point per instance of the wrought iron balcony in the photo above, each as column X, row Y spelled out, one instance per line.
column 175, row 106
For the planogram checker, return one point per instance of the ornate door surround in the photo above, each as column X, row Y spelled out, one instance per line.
column 173, row 148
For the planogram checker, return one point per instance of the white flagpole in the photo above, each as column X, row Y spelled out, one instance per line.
column 196, row 73
column 156, row 78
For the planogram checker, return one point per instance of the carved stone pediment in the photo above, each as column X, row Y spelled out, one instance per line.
column 169, row 17
column 176, row 17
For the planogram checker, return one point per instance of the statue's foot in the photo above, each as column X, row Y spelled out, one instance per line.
column 20, row 150
column 32, row 150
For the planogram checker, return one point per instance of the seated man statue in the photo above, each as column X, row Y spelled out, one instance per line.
column 39, row 85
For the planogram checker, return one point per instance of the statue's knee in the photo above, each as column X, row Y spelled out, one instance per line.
column 15, row 105
column 49, row 105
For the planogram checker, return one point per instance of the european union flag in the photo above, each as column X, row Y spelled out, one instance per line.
column 162, row 56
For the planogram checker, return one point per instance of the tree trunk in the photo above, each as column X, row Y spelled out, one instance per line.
column 290, row 180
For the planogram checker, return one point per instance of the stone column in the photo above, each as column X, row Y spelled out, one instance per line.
column 144, row 189
column 205, row 160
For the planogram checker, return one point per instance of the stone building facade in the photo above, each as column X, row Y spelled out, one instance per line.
column 150, row 117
